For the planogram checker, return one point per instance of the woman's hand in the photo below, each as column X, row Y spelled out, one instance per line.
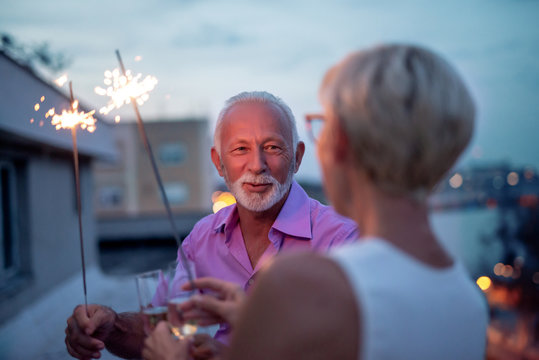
column 221, row 306
column 161, row 345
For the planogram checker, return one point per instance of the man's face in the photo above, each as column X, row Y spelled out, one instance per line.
column 257, row 155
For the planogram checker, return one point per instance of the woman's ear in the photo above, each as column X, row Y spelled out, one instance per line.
column 341, row 145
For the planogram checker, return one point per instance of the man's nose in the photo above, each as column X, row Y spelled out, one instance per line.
column 257, row 163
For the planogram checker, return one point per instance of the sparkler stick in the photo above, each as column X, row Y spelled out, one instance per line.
column 144, row 136
column 79, row 207
column 71, row 119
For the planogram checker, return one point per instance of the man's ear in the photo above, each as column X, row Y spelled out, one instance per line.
column 300, row 151
column 216, row 159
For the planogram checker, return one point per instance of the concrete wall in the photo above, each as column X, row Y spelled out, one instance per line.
column 48, row 229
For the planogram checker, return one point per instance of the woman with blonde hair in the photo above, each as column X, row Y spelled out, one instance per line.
column 395, row 119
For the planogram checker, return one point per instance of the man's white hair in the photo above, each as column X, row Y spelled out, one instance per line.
column 262, row 97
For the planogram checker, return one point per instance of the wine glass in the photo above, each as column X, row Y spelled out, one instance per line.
column 152, row 289
column 176, row 296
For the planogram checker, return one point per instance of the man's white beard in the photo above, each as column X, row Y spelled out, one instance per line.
column 259, row 202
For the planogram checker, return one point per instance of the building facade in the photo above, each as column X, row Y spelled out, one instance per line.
column 127, row 198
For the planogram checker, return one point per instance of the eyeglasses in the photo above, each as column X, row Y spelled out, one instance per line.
column 314, row 123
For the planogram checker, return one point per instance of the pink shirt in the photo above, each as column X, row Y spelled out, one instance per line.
column 217, row 248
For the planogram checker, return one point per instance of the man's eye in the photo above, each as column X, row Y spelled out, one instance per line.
column 240, row 148
column 272, row 147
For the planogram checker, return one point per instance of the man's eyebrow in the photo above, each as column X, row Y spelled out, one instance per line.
column 239, row 141
column 280, row 141
column 277, row 138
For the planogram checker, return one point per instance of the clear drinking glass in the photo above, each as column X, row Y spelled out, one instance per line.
column 176, row 296
column 152, row 289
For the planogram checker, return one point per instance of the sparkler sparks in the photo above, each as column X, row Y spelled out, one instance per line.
column 61, row 80
column 69, row 119
column 123, row 88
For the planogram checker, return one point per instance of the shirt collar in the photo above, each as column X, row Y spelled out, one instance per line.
column 227, row 219
column 294, row 218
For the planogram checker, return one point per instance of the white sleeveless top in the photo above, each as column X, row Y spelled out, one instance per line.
column 410, row 310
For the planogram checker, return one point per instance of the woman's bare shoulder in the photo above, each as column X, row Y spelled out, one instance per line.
column 305, row 302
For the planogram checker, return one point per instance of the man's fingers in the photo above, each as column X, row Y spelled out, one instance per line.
column 98, row 318
column 71, row 351
column 80, row 326
column 80, row 317
column 85, row 323
column 90, row 318
column 87, row 342
column 81, row 343
column 84, row 346
column 81, row 352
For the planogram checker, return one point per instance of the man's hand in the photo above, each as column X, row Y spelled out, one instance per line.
column 86, row 332
column 211, row 309
column 161, row 345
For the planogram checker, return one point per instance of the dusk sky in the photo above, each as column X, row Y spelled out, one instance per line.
column 204, row 51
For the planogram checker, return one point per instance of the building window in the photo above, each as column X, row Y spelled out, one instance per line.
column 177, row 192
column 172, row 154
column 9, row 250
column 110, row 197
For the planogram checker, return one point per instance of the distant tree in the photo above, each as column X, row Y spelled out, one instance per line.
column 31, row 55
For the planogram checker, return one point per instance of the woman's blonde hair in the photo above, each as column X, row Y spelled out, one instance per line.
column 407, row 112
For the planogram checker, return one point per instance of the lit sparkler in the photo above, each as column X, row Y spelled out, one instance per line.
column 71, row 119
column 123, row 88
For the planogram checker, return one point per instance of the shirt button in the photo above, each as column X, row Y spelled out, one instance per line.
column 251, row 281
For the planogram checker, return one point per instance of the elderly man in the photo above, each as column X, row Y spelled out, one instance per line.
column 257, row 151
